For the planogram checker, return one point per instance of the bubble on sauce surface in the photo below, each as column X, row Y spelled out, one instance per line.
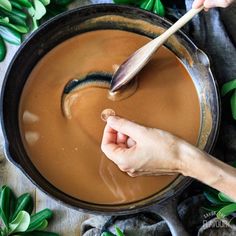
column 31, row 137
column 29, row 117
column 106, row 113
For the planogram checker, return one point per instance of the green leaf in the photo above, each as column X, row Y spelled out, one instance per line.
column 213, row 208
column 212, row 196
column 24, row 3
column 3, row 217
column 224, row 198
column 233, row 104
column 3, row 204
column 147, row 5
column 159, row 8
column 43, row 225
column 24, row 203
column 12, row 205
column 53, row 10
column 227, row 87
column 40, row 10
column 20, row 223
column 34, row 23
column 3, row 49
column 119, row 232
column 19, row 28
column 40, row 226
column 31, row 11
column 5, row 232
column 45, row 2
column 14, row 19
column 6, row 4
column 227, row 210
column 7, row 202
column 5, row 19
column 10, row 35
column 37, row 218
column 16, row 5
column 19, row 13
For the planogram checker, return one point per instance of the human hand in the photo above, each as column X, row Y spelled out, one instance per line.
column 138, row 150
column 211, row 3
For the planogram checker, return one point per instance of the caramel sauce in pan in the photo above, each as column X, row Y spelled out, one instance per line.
column 66, row 150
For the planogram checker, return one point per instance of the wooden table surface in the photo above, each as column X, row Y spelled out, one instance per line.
column 66, row 221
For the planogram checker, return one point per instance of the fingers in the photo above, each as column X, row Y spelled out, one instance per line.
column 197, row 3
column 109, row 136
column 216, row 3
column 114, row 145
column 130, row 142
column 121, row 138
column 141, row 173
column 211, row 3
column 109, row 140
column 126, row 127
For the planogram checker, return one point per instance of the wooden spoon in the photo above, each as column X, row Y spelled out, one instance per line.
column 140, row 58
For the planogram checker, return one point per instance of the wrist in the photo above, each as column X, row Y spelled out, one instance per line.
column 190, row 160
column 207, row 169
column 197, row 164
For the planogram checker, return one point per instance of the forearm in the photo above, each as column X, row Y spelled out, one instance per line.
column 209, row 170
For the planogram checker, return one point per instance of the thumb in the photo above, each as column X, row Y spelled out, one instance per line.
column 126, row 127
column 215, row 3
column 197, row 3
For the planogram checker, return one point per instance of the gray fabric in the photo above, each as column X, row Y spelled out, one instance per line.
column 132, row 226
column 227, row 14
column 197, row 222
column 209, row 33
column 93, row 225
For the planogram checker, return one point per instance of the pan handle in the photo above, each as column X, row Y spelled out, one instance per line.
column 168, row 211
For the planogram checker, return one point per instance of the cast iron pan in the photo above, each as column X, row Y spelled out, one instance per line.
column 68, row 25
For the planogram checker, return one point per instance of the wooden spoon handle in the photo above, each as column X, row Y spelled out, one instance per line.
column 176, row 26
column 141, row 57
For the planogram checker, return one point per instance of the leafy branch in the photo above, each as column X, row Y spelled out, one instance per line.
column 155, row 6
column 19, row 17
column 230, row 87
column 221, row 204
column 16, row 218
column 118, row 232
